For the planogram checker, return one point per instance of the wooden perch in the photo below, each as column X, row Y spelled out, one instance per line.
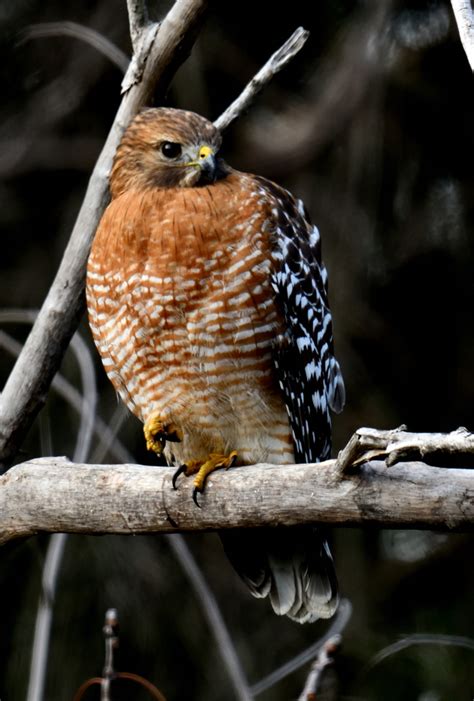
column 54, row 495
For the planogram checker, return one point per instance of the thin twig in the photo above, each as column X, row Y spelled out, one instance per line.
column 211, row 610
column 78, row 31
column 324, row 659
column 464, row 14
column 110, row 631
column 108, row 439
column 39, row 654
column 419, row 639
column 343, row 615
column 151, row 688
column 111, row 642
column 86, row 685
column 274, row 64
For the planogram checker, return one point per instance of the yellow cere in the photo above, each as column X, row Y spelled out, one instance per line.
column 205, row 151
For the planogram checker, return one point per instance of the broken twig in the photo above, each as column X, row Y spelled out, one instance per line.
column 394, row 445
column 274, row 64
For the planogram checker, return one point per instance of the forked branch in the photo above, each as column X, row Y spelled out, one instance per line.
column 397, row 444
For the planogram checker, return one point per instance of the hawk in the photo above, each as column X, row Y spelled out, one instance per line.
column 208, row 304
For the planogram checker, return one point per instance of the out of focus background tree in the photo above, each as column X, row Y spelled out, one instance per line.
column 372, row 126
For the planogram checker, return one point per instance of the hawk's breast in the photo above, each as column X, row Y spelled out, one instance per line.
column 184, row 316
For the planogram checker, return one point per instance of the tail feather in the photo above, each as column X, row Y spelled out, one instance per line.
column 285, row 588
column 293, row 566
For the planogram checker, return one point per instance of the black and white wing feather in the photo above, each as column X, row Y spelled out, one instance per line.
column 293, row 566
column 309, row 374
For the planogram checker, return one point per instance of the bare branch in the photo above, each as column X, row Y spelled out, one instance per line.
column 274, row 64
column 420, row 639
column 210, row 610
column 54, row 495
column 26, row 388
column 464, row 14
column 110, row 631
column 44, row 617
column 324, row 659
column 393, row 445
column 79, row 31
column 138, row 20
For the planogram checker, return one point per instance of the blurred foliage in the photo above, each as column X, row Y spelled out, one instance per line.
column 372, row 126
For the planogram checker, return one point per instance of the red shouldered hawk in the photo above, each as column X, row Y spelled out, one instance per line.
column 208, row 303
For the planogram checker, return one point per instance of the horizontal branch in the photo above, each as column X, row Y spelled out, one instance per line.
column 54, row 495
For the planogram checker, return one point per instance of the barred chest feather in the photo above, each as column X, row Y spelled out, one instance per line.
column 184, row 316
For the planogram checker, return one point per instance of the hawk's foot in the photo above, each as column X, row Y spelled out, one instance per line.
column 202, row 469
column 157, row 433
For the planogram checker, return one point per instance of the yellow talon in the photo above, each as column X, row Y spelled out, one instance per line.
column 203, row 468
column 157, row 433
column 214, row 462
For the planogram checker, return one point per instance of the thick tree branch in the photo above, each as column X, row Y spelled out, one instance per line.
column 53, row 495
column 26, row 388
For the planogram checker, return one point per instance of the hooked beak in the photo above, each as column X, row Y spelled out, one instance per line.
column 207, row 162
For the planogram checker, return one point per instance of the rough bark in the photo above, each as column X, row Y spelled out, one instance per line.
column 397, row 444
column 53, row 495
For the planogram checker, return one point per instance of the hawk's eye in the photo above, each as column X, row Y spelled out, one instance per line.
column 169, row 149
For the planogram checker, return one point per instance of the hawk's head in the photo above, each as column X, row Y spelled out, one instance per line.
column 165, row 148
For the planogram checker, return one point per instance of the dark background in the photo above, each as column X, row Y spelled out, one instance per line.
column 372, row 124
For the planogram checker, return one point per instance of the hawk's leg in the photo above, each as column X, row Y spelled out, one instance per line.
column 157, row 433
column 202, row 469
